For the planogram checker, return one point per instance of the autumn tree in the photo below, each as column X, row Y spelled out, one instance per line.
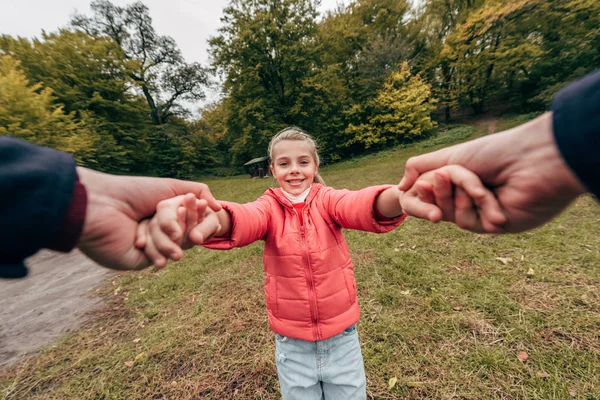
column 265, row 50
column 88, row 77
column 400, row 111
column 156, row 64
column 28, row 112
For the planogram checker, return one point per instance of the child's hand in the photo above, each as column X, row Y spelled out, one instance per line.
column 178, row 223
column 470, row 205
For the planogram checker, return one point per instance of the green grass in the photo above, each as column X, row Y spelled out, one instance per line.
column 440, row 312
column 512, row 121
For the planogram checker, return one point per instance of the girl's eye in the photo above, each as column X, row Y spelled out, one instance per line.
column 282, row 164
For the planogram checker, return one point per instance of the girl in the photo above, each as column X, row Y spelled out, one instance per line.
column 309, row 284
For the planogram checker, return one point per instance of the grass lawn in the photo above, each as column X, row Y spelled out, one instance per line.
column 445, row 313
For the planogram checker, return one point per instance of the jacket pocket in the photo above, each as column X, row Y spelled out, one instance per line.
column 350, row 284
column 271, row 294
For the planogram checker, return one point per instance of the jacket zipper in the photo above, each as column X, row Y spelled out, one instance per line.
column 311, row 283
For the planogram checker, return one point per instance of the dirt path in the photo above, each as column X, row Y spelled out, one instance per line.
column 490, row 123
column 51, row 301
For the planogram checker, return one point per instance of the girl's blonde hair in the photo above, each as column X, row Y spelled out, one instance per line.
column 295, row 133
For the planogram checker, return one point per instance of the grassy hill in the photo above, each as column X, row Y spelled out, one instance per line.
column 445, row 313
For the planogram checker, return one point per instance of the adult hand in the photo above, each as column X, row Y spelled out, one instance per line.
column 522, row 166
column 116, row 205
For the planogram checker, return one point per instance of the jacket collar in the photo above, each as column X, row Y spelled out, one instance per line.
column 281, row 198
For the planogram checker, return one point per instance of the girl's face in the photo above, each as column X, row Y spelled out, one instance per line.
column 293, row 166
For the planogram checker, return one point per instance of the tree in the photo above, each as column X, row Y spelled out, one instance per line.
column 520, row 52
column 88, row 77
column 435, row 21
column 401, row 110
column 367, row 39
column 266, row 50
column 27, row 112
column 156, row 64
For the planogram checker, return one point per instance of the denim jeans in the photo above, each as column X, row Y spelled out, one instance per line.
column 330, row 369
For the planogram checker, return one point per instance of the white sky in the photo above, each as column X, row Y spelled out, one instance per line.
column 189, row 22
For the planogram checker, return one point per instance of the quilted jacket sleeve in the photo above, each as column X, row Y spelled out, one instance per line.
column 249, row 223
column 355, row 209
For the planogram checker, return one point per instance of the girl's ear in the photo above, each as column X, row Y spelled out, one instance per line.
column 272, row 170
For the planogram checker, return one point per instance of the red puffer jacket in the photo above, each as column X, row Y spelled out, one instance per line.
column 309, row 285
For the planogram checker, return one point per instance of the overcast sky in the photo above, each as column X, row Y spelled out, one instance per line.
column 189, row 22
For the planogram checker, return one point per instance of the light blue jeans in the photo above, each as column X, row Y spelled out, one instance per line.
column 330, row 369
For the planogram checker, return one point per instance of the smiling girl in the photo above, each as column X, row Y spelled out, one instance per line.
column 309, row 276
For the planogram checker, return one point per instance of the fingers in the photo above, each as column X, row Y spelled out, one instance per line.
column 469, row 217
column 465, row 216
column 162, row 246
column 153, row 254
column 140, row 234
column 414, row 206
column 182, row 216
column 191, row 205
column 207, row 227
column 466, row 179
column 200, row 190
column 168, row 217
column 208, row 196
column 443, row 192
column 490, row 212
column 415, row 166
column 425, row 191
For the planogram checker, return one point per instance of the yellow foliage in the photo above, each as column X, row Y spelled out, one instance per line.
column 401, row 110
column 27, row 112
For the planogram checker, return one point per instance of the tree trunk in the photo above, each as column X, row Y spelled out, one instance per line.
column 156, row 117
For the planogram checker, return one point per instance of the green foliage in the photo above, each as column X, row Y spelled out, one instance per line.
column 337, row 76
column 155, row 63
column 401, row 111
column 88, row 78
column 266, row 50
column 28, row 112
column 518, row 51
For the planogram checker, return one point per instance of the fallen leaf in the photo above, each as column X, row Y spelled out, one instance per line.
column 396, row 249
column 457, row 308
column 504, row 260
column 142, row 354
column 530, row 272
column 392, row 382
column 136, row 340
column 174, row 383
column 522, row 356
column 573, row 392
column 405, row 292
column 414, row 246
column 542, row 374
column 129, row 363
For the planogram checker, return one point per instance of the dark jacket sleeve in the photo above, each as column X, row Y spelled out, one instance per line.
column 36, row 186
column 576, row 125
